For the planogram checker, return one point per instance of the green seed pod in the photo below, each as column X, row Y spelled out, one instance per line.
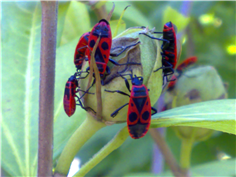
column 196, row 85
column 147, row 52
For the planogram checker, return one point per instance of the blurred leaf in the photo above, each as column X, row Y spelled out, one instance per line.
column 99, row 4
column 224, row 168
column 200, row 8
column 131, row 14
column 176, row 18
column 113, row 25
column 64, row 126
column 216, row 168
column 217, row 115
column 21, row 28
column 77, row 22
column 127, row 157
column 62, row 9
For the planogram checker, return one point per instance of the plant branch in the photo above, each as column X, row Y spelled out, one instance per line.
column 170, row 160
column 186, row 149
column 47, row 79
column 116, row 142
column 99, row 9
column 86, row 130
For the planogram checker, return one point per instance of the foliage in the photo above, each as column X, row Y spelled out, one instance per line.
column 20, row 67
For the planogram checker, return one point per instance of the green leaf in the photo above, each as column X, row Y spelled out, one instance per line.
column 216, row 168
column 64, row 126
column 217, row 115
column 62, row 10
column 132, row 14
column 77, row 22
column 21, row 28
column 224, row 168
column 113, row 25
column 21, row 34
column 175, row 17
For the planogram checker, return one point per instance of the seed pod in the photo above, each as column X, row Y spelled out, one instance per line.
column 147, row 52
column 195, row 85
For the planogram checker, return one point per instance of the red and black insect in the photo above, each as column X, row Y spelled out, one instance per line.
column 102, row 53
column 69, row 101
column 80, row 50
column 186, row 63
column 102, row 29
column 69, row 95
column 179, row 70
column 169, row 48
column 139, row 110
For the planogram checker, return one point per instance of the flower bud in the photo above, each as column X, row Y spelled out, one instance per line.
column 144, row 50
column 196, row 85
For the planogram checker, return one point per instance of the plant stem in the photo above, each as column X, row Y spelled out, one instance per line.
column 47, row 79
column 77, row 140
column 165, row 150
column 116, row 142
column 186, row 149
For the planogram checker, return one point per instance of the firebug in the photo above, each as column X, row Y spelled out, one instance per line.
column 80, row 50
column 139, row 107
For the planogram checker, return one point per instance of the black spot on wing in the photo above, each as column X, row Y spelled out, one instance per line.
column 92, row 43
column 105, row 46
column 145, row 115
column 133, row 117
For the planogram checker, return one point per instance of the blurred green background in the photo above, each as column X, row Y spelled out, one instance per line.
column 210, row 35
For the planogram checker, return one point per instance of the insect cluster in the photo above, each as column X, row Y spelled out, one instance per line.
column 139, row 105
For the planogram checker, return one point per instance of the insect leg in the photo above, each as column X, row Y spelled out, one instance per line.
column 118, row 91
column 88, row 88
column 126, row 82
column 124, row 48
column 128, row 63
column 80, row 104
column 155, row 38
column 116, row 111
column 155, row 111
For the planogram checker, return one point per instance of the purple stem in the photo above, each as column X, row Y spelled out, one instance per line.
column 47, row 79
column 158, row 162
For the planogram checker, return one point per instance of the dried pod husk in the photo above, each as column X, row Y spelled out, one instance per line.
column 196, row 85
column 147, row 52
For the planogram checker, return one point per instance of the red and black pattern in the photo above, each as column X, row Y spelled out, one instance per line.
column 80, row 50
column 179, row 70
column 69, row 96
column 139, row 110
column 102, row 29
column 169, row 55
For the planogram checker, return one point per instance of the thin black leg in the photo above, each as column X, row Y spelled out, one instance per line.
column 85, row 108
column 128, row 63
column 157, row 32
column 126, row 82
column 116, row 111
column 124, row 49
column 108, row 70
column 88, row 89
column 155, row 111
column 156, row 38
column 118, row 91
